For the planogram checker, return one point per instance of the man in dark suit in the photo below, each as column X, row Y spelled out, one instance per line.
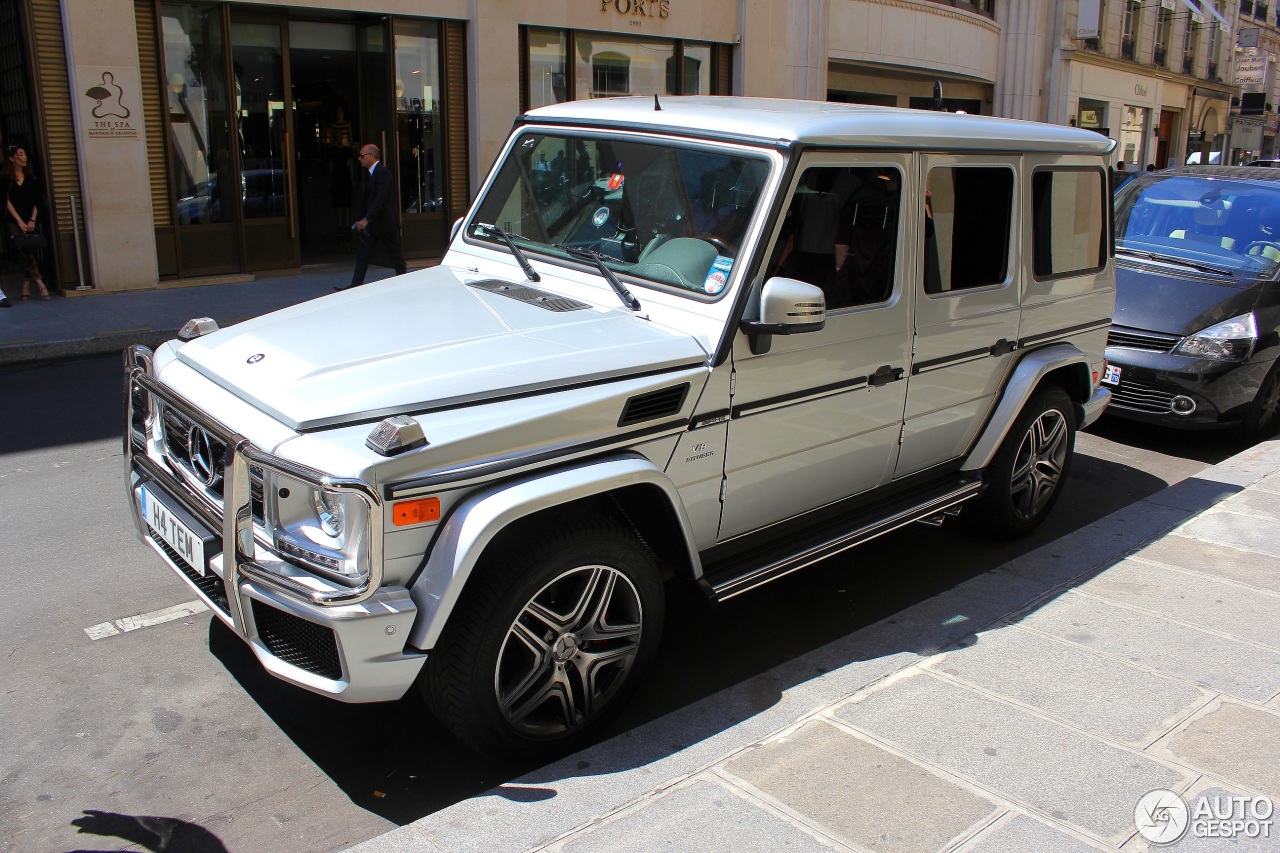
column 379, row 222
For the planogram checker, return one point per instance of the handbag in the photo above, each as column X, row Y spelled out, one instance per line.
column 20, row 240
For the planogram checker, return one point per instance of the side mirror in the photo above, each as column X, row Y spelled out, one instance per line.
column 457, row 226
column 787, row 307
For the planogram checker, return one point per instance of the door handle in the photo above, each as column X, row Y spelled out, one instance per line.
column 1003, row 347
column 884, row 375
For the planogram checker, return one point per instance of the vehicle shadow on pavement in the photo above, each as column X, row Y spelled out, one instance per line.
column 865, row 612
column 157, row 834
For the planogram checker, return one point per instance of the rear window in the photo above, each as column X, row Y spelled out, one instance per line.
column 1068, row 222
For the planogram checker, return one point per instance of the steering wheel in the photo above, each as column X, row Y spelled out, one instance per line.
column 721, row 246
column 1262, row 246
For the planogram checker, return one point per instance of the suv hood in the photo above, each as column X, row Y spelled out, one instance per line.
column 1157, row 301
column 425, row 341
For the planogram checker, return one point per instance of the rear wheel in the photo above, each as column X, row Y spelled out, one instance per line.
column 547, row 645
column 1027, row 474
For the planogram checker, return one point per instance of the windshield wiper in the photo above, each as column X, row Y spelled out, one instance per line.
column 510, row 240
column 1170, row 259
column 598, row 259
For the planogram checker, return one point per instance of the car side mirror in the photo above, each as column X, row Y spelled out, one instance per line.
column 457, row 226
column 787, row 307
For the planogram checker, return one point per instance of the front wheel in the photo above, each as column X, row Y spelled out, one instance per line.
column 1027, row 474
column 547, row 645
column 1263, row 420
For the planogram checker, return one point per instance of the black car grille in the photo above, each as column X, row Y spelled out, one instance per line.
column 1141, row 339
column 296, row 641
column 1131, row 395
column 177, row 428
column 209, row 583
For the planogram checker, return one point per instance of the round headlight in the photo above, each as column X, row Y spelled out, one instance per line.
column 328, row 507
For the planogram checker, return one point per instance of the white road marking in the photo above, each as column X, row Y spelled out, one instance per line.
column 144, row 620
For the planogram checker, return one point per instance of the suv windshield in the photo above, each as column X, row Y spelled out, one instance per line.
column 1207, row 223
column 661, row 213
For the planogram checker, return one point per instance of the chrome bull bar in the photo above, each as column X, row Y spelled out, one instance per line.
column 239, row 544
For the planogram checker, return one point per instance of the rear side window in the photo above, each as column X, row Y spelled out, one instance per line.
column 968, row 216
column 1069, row 222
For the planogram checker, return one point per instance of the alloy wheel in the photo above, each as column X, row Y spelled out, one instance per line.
column 1038, row 464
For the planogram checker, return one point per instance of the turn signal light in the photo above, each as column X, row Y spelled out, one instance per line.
column 418, row 511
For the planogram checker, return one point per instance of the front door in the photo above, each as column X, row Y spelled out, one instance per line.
column 264, row 133
column 817, row 418
column 967, row 304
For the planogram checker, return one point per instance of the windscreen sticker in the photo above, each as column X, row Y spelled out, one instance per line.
column 718, row 275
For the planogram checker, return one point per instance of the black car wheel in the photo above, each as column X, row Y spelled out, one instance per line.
column 547, row 644
column 1263, row 420
column 1027, row 474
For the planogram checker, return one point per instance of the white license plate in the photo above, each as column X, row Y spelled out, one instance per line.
column 1112, row 375
column 181, row 538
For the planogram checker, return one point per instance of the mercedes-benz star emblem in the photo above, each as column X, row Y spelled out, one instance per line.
column 255, row 358
column 205, row 455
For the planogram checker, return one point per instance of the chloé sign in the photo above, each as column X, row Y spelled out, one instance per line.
column 638, row 8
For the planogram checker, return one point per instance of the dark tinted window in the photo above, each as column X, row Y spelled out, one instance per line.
column 1069, row 221
column 969, row 211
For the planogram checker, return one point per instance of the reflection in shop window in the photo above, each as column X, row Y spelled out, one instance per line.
column 1132, row 135
column 420, row 154
column 548, row 54
column 201, row 166
column 609, row 67
column 610, row 75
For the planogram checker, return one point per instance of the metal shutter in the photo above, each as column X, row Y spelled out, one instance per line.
column 144, row 13
column 457, row 130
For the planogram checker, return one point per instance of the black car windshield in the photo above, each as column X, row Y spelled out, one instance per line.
column 1210, row 224
column 661, row 213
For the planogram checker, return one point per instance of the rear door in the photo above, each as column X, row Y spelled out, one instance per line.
column 967, row 303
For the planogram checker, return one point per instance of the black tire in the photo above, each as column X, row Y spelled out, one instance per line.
column 1263, row 420
column 1029, row 470
column 548, row 642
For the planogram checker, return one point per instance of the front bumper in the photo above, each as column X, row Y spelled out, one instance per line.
column 1149, row 382
column 343, row 641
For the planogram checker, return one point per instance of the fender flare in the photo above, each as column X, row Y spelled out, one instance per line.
column 474, row 523
column 1026, row 377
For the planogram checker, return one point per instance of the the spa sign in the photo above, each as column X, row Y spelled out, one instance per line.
column 637, row 10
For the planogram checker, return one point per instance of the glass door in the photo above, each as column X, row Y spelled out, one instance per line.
column 264, row 138
column 419, row 135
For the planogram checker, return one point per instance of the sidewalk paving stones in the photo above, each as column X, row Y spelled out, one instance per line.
column 1234, row 741
column 1061, row 771
column 1021, row 834
column 1095, row 692
column 1228, row 562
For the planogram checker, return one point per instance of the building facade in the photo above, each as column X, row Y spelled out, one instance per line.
column 184, row 141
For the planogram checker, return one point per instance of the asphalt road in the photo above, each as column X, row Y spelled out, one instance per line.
column 171, row 737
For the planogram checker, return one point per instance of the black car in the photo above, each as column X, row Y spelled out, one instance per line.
column 1196, row 329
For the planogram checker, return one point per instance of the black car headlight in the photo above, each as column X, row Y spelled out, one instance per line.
column 1230, row 340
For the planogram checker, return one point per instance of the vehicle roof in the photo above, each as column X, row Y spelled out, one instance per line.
column 823, row 123
column 1235, row 173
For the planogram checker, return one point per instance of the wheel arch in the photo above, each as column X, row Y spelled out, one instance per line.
column 1061, row 364
column 630, row 487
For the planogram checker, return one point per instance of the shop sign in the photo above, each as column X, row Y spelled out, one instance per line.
column 1247, row 134
column 1250, row 71
column 109, row 103
column 1087, row 19
column 1195, row 137
column 1088, row 118
column 637, row 8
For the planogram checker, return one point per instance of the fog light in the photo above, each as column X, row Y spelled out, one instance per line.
column 1183, row 405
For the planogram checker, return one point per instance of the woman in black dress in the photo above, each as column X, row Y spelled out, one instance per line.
column 21, row 204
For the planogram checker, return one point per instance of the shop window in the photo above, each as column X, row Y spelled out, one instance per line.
column 1068, row 222
column 840, row 233
column 202, row 165
column 563, row 65
column 420, row 156
column 968, row 220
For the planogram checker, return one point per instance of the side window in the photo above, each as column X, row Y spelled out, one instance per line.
column 1068, row 222
column 840, row 233
column 968, row 217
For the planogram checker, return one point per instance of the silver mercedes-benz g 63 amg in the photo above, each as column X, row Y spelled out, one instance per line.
column 717, row 338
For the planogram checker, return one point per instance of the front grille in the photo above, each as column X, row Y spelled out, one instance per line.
column 209, row 583
column 1131, row 395
column 177, row 430
column 1141, row 339
column 296, row 641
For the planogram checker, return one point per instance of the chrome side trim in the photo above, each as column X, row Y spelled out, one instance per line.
column 725, row 590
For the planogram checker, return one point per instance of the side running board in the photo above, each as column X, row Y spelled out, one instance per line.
column 722, row 583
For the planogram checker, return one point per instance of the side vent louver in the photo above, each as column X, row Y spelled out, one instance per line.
column 656, row 404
